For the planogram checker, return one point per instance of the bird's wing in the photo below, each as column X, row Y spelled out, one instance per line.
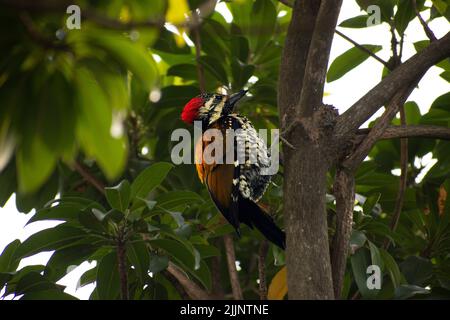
column 221, row 179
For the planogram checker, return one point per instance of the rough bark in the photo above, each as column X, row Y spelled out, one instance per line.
column 344, row 192
column 293, row 61
column 302, row 75
column 308, row 257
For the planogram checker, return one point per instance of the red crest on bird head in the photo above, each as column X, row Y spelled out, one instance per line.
column 190, row 110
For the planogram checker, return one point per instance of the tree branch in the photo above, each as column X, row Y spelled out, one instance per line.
column 362, row 48
column 89, row 177
column 356, row 44
column 39, row 38
column 122, row 266
column 287, row 3
column 412, row 131
column 403, row 179
column 191, row 288
column 425, row 26
column 354, row 160
column 410, row 71
column 263, row 248
column 344, row 192
column 293, row 61
column 231, row 259
column 318, row 56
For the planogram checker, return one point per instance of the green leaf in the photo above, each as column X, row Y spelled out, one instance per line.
column 214, row 36
column 240, row 48
column 149, row 178
column 62, row 211
column 94, row 125
column 408, row 291
column 257, row 20
column 186, row 71
column 405, row 13
column 35, row 163
column 185, row 257
column 176, row 200
column 158, row 263
column 215, row 67
column 417, row 270
column 49, row 239
column 348, row 61
column 119, row 196
column 61, row 260
column 32, row 282
column 375, row 256
column 241, row 73
column 176, row 96
column 207, row 251
column 7, row 183
column 360, row 261
column 8, row 261
column 370, row 203
column 139, row 257
column 356, row 22
column 264, row 15
column 357, row 239
column 392, row 268
column 48, row 295
column 108, row 280
column 132, row 56
column 88, row 277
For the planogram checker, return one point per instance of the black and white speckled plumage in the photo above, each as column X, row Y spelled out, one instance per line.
column 251, row 155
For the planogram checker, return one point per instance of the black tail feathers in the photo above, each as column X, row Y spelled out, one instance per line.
column 252, row 215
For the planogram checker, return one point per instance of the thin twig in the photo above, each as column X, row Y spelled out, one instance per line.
column 362, row 48
column 403, row 179
column 394, row 43
column 354, row 160
column 262, row 253
column 89, row 177
column 198, row 51
column 425, row 26
column 231, row 259
column 286, row 3
column 286, row 142
column 122, row 266
column 38, row 37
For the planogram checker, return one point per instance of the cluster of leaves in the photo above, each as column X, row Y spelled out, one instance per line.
column 105, row 100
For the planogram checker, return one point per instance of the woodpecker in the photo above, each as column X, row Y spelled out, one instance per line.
column 235, row 187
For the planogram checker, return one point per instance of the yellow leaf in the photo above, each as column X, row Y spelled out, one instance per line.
column 177, row 12
column 278, row 286
column 179, row 40
column 124, row 14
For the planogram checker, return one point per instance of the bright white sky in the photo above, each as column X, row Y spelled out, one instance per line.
column 342, row 94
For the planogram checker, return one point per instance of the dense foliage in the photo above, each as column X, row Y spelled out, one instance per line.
column 95, row 107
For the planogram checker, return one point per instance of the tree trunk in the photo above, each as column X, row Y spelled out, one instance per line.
column 308, row 255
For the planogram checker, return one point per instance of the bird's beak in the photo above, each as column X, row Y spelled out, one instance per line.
column 236, row 97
